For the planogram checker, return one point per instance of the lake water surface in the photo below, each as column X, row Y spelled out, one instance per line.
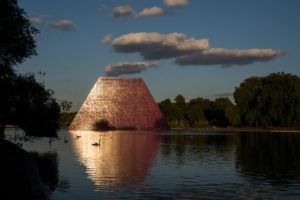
column 171, row 165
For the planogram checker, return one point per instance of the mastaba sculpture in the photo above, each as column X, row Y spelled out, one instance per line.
column 119, row 104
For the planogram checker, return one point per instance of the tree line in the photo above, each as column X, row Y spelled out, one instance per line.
column 24, row 101
column 271, row 101
column 199, row 112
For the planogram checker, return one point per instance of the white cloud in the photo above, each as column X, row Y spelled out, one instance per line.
column 38, row 19
column 228, row 57
column 188, row 50
column 65, row 25
column 176, row 3
column 126, row 67
column 154, row 11
column 123, row 11
column 107, row 39
column 157, row 46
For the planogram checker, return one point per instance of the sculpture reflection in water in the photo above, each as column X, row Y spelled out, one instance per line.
column 121, row 158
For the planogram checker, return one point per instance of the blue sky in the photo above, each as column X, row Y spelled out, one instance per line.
column 73, row 56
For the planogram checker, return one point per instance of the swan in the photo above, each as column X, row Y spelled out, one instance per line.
column 97, row 144
column 78, row 136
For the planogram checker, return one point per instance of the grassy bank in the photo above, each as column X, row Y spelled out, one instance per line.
column 65, row 119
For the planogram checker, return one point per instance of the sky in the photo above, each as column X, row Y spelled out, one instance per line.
column 197, row 48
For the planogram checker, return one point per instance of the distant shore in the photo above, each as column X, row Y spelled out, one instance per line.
column 242, row 129
column 225, row 129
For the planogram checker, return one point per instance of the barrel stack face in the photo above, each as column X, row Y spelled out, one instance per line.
column 119, row 104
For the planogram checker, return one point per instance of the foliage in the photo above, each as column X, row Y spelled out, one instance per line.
column 66, row 118
column 273, row 100
column 268, row 101
column 199, row 112
column 65, row 105
column 34, row 108
column 16, row 33
column 23, row 101
column 225, row 112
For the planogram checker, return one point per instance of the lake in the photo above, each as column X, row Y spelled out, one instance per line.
column 170, row 165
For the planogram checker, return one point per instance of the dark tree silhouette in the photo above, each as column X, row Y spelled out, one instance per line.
column 16, row 34
column 65, row 105
column 35, row 110
column 23, row 101
column 16, row 44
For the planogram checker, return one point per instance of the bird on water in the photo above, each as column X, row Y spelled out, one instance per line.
column 97, row 143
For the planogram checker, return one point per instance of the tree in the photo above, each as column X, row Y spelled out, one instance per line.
column 180, row 101
column 173, row 113
column 280, row 99
column 23, row 101
column 229, row 112
column 196, row 112
column 196, row 116
column 65, row 105
column 245, row 97
column 7, row 78
column 273, row 100
column 34, row 109
column 16, row 44
column 16, row 33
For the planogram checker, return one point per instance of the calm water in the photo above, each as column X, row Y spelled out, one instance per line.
column 172, row 165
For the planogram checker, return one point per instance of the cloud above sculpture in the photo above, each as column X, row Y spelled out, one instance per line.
column 123, row 11
column 43, row 20
column 152, row 46
column 129, row 11
column 188, row 50
column 106, row 39
column 176, row 3
column 153, row 11
column 64, row 25
column 228, row 57
column 127, row 67
column 185, row 50
column 37, row 19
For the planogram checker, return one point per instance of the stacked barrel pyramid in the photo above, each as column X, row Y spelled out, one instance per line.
column 119, row 104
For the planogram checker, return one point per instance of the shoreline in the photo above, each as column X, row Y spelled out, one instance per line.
column 222, row 129
column 241, row 129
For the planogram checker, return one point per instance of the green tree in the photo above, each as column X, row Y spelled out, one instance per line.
column 180, row 101
column 166, row 108
column 280, row 100
column 273, row 100
column 245, row 97
column 196, row 116
column 173, row 113
column 225, row 112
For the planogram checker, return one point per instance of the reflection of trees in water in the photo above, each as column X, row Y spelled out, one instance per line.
column 48, row 170
column 185, row 144
column 272, row 156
